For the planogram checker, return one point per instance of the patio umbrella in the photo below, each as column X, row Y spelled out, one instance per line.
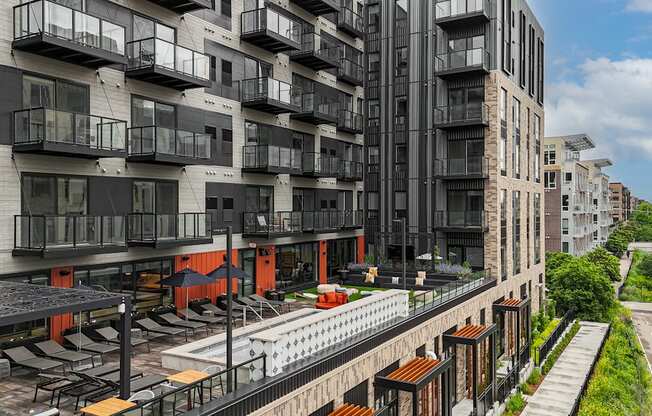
column 187, row 278
column 220, row 272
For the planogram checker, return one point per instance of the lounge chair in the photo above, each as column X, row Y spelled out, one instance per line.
column 54, row 350
column 54, row 383
column 174, row 320
column 194, row 316
column 151, row 326
column 136, row 385
column 81, row 341
column 237, row 312
column 111, row 335
column 276, row 303
column 92, row 383
column 257, row 305
column 23, row 357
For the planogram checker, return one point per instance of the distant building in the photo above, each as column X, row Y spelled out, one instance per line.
column 620, row 202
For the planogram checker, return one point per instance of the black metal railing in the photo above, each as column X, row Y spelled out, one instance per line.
column 466, row 59
column 324, row 220
column 174, row 400
column 350, row 121
column 270, row 223
column 506, row 384
column 154, row 52
column 62, row 22
column 266, row 156
column 154, row 139
column 541, row 353
column 349, row 19
column 43, row 232
column 265, row 88
column 350, row 170
column 42, row 124
column 350, row 69
column 265, row 18
column 462, row 114
column 464, row 219
column 352, row 218
column 445, row 9
column 311, row 102
column 485, row 401
column 435, row 297
column 148, row 227
column 524, row 356
column 469, row 166
column 321, row 164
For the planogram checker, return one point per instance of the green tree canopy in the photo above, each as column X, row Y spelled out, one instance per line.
column 554, row 259
column 645, row 266
column 609, row 263
column 584, row 286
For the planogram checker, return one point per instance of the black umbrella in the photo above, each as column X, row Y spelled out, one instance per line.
column 187, row 278
column 220, row 272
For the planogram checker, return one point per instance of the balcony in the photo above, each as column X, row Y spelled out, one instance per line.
column 324, row 221
column 183, row 6
column 315, row 53
column 63, row 236
column 350, row 72
column 319, row 165
column 349, row 122
column 62, row 133
column 350, row 171
column 451, row 14
column 270, row 30
column 470, row 62
column 470, row 221
column 350, row 22
column 168, row 230
column 153, row 144
column 167, row 64
column 50, row 29
column 271, row 224
column 265, row 158
column 270, row 96
column 318, row 7
column 447, row 118
column 469, row 168
column 316, row 109
column 352, row 220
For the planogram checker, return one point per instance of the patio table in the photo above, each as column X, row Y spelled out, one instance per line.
column 107, row 407
column 188, row 377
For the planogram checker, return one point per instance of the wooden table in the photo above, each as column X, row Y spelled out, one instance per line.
column 107, row 407
column 188, row 377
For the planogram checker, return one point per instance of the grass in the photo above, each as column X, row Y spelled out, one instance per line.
column 638, row 287
column 352, row 298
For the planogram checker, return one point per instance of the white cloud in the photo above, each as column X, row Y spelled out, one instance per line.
column 644, row 6
column 612, row 103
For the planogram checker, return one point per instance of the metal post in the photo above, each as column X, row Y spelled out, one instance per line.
column 125, row 350
column 229, row 312
column 404, row 253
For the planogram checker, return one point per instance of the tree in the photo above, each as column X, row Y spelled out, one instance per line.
column 619, row 240
column 645, row 266
column 554, row 259
column 581, row 285
column 606, row 261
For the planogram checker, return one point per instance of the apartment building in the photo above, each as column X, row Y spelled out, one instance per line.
column 573, row 190
column 601, row 204
column 134, row 132
column 621, row 202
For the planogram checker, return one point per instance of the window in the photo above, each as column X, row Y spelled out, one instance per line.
column 537, row 228
column 565, row 202
column 145, row 113
column 227, row 73
column 259, row 199
column 531, row 60
column 516, row 138
column 537, row 148
column 564, row 246
column 568, row 177
column 227, row 141
column 550, row 180
column 225, row 8
column 522, row 42
column 506, row 35
column 503, row 104
column 54, row 195
column 57, row 94
column 212, row 73
column 540, row 69
column 549, row 154
column 516, row 237
column 503, row 234
column 564, row 226
column 503, row 133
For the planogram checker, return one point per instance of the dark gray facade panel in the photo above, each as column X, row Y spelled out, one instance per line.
column 228, row 190
column 109, row 195
column 10, row 85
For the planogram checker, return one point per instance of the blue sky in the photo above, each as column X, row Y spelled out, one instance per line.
column 599, row 80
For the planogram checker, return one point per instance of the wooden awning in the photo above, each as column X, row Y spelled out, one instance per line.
column 414, row 375
column 352, row 410
column 470, row 334
column 511, row 304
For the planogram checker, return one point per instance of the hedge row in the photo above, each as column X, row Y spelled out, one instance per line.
column 559, row 348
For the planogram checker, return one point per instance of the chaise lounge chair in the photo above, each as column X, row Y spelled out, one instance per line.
column 54, row 350
column 275, row 303
column 111, row 335
column 81, row 341
column 151, row 326
column 23, row 357
column 194, row 316
column 174, row 320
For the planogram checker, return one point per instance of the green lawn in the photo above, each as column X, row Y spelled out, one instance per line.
column 352, row 298
column 638, row 287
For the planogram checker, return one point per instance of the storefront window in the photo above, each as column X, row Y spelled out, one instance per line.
column 26, row 329
column 340, row 254
column 296, row 264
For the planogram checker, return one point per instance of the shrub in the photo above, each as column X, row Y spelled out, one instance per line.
column 527, row 389
column 559, row 348
column 645, row 266
column 515, row 404
column 542, row 337
column 638, row 286
column 535, row 377
column 609, row 263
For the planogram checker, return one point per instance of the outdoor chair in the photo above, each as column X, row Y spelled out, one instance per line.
column 54, row 383
column 194, row 316
column 111, row 335
column 174, row 320
column 151, row 326
column 213, row 370
column 215, row 310
column 137, row 384
column 81, row 341
column 23, row 357
column 54, row 350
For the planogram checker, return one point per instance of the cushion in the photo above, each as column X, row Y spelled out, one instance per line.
column 331, row 297
column 419, row 281
column 321, row 299
column 395, row 280
column 421, row 275
column 373, row 271
column 342, row 298
column 325, row 288
column 369, row 278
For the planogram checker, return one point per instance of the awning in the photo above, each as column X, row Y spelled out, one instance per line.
column 352, row 410
column 470, row 334
column 511, row 305
column 414, row 375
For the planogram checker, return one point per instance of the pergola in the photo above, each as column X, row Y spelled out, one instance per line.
column 416, row 375
column 352, row 410
column 521, row 307
column 22, row 302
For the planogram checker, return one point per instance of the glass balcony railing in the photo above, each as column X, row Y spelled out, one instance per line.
column 313, row 44
column 150, row 140
column 459, row 219
column 58, row 232
column 44, row 125
column 463, row 60
column 312, row 102
column 42, row 17
column 268, row 19
column 446, row 9
column 350, row 170
column 270, row 223
column 265, row 88
column 149, row 227
column 349, row 121
column 271, row 157
column 154, row 52
column 321, row 164
column 469, row 166
column 323, row 220
column 350, row 71
column 464, row 114
column 350, row 22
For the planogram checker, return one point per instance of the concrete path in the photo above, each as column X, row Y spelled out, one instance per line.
column 557, row 394
column 625, row 265
column 642, row 318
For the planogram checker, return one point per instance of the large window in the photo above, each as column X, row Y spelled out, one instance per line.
column 550, row 180
column 54, row 195
column 297, row 264
column 537, row 148
column 56, row 94
column 537, row 228
column 516, row 139
column 146, row 112
column 516, row 229
column 159, row 197
column 502, row 151
column 549, row 154
column 340, row 254
column 259, row 199
column 503, row 234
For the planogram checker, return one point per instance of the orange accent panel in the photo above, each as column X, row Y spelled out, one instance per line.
column 60, row 323
column 265, row 270
column 360, row 249
column 203, row 263
column 323, row 262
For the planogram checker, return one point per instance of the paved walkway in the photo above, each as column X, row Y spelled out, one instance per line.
column 557, row 394
column 625, row 264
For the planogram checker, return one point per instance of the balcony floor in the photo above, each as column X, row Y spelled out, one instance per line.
column 183, row 6
column 469, row 19
column 167, row 78
column 170, row 242
column 165, row 159
column 68, row 51
column 464, row 72
column 66, row 149
column 66, row 251
column 449, row 125
column 317, row 7
column 313, row 61
column 314, row 117
column 267, row 105
column 351, row 80
column 349, row 30
column 270, row 41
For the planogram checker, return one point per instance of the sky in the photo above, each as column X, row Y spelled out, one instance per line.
column 599, row 81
